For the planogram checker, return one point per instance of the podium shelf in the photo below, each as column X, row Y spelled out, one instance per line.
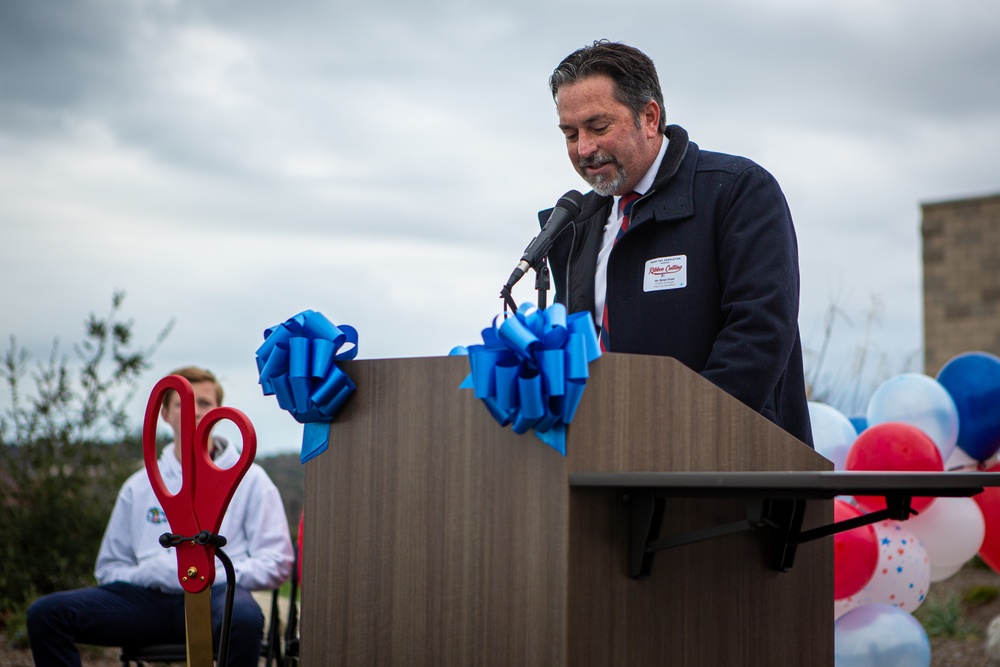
column 774, row 500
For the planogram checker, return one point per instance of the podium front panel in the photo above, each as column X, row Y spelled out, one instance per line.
column 433, row 536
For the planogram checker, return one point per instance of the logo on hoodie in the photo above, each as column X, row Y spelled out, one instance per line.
column 156, row 515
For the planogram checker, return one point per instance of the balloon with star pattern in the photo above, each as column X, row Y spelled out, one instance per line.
column 902, row 576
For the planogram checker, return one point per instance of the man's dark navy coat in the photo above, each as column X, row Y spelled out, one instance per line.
column 735, row 319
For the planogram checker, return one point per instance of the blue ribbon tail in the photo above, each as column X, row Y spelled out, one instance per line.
column 554, row 437
column 315, row 440
column 467, row 382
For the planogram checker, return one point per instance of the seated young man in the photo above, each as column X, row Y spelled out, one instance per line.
column 139, row 600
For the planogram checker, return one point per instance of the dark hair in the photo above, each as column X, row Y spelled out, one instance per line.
column 634, row 74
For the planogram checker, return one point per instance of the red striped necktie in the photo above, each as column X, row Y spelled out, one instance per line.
column 625, row 205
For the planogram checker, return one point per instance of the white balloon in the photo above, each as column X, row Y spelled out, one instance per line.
column 942, row 573
column 833, row 433
column 951, row 530
column 918, row 400
column 903, row 574
column 959, row 460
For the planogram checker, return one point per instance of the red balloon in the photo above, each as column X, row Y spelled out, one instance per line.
column 989, row 503
column 855, row 553
column 894, row 447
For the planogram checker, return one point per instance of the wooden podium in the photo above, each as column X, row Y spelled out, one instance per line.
column 435, row 537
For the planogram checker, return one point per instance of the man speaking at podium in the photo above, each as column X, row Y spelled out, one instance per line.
column 677, row 251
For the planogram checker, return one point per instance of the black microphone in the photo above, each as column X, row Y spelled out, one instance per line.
column 565, row 211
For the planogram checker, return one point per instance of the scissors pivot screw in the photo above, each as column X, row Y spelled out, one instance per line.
column 193, row 572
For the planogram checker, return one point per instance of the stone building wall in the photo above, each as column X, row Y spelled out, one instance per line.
column 961, row 248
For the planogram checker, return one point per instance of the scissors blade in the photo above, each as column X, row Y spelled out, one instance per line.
column 198, row 623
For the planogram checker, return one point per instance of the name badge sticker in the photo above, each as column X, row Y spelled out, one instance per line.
column 665, row 273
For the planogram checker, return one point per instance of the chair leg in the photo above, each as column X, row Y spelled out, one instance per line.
column 290, row 658
column 273, row 636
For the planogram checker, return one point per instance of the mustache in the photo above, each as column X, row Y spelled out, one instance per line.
column 596, row 160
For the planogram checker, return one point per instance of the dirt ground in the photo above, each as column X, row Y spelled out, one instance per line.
column 91, row 658
column 945, row 652
column 953, row 652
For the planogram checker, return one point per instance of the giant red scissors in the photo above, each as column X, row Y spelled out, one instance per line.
column 196, row 510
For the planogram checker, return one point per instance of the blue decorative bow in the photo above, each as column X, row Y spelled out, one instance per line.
column 531, row 370
column 296, row 364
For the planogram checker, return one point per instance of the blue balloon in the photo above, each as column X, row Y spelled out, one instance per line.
column 860, row 423
column 973, row 380
column 918, row 400
column 875, row 635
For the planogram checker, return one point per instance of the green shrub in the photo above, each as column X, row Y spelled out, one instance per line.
column 65, row 449
column 980, row 595
column 942, row 617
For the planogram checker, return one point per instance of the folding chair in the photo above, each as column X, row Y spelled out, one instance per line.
column 270, row 647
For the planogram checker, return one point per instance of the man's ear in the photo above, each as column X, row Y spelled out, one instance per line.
column 651, row 119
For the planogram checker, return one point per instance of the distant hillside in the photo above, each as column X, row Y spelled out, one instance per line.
column 288, row 474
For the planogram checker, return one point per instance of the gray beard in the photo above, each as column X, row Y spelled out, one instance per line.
column 606, row 186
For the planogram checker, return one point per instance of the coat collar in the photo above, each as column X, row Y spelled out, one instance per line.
column 677, row 173
column 677, row 148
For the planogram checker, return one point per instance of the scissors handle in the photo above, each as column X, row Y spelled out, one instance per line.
column 212, row 499
column 206, row 489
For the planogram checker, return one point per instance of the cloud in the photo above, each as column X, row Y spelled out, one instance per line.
column 231, row 163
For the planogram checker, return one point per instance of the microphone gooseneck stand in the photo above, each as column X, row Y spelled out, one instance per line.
column 560, row 219
column 542, row 284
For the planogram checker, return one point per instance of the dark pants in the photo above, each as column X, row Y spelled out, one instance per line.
column 121, row 614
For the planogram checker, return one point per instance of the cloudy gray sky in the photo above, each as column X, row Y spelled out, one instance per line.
column 229, row 164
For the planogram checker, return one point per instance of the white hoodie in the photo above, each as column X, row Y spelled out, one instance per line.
column 254, row 526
